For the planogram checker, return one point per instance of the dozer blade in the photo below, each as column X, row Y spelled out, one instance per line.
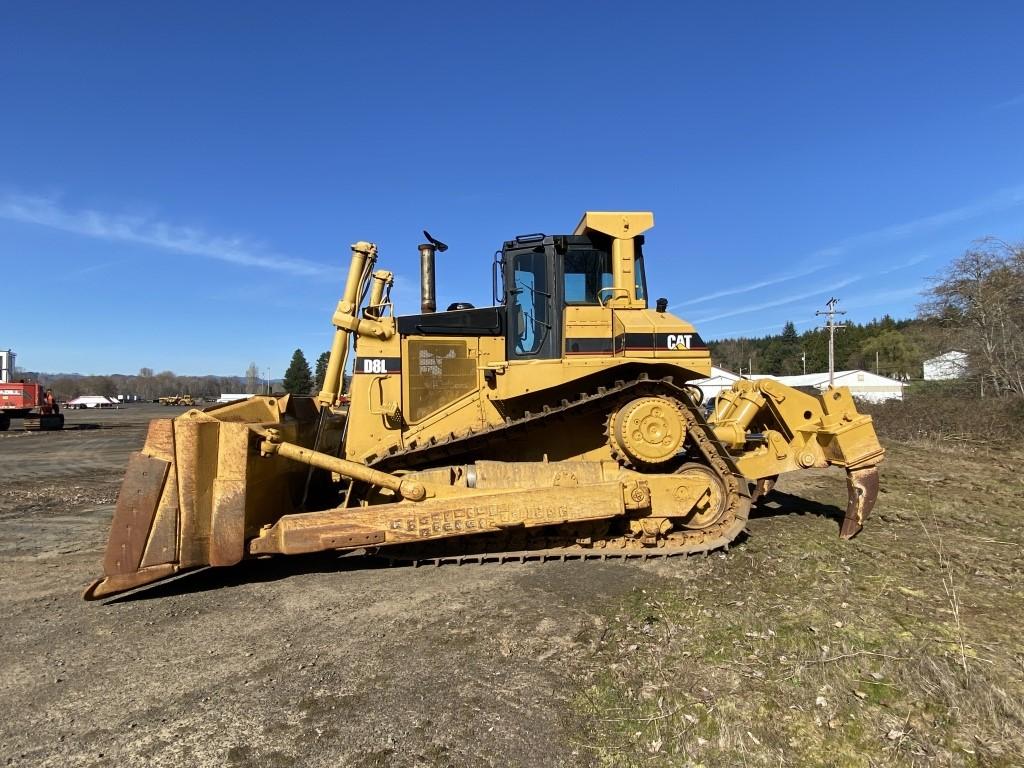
column 862, row 490
column 199, row 489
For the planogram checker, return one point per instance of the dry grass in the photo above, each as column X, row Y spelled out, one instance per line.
column 950, row 412
column 901, row 648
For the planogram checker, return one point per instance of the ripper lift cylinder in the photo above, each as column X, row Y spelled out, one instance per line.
column 731, row 426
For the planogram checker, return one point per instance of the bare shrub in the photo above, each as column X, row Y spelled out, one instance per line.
column 950, row 411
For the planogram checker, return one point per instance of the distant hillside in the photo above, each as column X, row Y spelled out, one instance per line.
column 892, row 347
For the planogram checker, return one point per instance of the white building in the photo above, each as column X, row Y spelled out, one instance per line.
column 92, row 401
column 231, row 398
column 949, row 365
column 6, row 365
column 719, row 381
column 863, row 385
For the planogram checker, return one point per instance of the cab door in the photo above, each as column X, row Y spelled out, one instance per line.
column 532, row 302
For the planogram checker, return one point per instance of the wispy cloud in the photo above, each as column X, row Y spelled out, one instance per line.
column 148, row 231
column 911, row 262
column 1001, row 200
column 747, row 309
column 750, row 287
column 1015, row 101
column 1004, row 199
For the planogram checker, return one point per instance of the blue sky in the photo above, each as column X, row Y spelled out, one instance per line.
column 179, row 184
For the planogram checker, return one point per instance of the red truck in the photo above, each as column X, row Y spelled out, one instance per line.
column 28, row 401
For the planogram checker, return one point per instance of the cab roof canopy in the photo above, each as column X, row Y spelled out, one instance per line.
column 618, row 224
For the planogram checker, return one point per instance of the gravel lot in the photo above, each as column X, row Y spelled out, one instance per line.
column 793, row 648
column 301, row 661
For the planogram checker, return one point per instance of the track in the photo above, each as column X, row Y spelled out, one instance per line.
column 702, row 445
column 556, row 554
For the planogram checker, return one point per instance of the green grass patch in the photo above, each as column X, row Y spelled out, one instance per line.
column 899, row 648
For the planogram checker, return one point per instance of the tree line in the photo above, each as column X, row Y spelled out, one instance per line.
column 145, row 385
column 975, row 305
column 150, row 385
column 895, row 348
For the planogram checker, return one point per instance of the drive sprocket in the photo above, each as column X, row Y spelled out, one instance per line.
column 647, row 432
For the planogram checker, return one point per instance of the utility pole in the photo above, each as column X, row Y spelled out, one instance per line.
column 831, row 313
column 803, row 359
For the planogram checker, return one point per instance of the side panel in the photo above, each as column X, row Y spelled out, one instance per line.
column 648, row 334
column 440, row 372
column 442, row 384
column 588, row 331
column 374, row 414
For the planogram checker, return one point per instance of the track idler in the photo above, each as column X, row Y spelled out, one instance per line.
column 862, row 491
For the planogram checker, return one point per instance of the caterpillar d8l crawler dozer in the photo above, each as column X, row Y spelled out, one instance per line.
column 559, row 422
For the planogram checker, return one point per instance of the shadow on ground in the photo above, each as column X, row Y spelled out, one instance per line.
column 779, row 504
column 261, row 571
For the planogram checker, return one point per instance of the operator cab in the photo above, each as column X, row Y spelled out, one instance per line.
column 601, row 266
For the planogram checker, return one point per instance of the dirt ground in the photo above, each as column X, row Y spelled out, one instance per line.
column 900, row 648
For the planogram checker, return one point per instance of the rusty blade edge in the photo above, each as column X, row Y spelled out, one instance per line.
column 115, row 584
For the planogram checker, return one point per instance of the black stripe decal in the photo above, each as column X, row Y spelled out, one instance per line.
column 666, row 341
column 634, row 341
column 585, row 346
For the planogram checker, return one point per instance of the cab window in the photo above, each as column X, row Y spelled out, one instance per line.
column 586, row 273
column 641, row 278
column 530, row 301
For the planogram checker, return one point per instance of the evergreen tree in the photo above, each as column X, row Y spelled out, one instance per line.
column 789, row 351
column 298, row 379
column 321, row 369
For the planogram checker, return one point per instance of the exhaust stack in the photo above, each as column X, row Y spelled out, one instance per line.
column 428, row 300
column 428, row 282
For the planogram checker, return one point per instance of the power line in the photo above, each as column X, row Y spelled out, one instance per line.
column 832, row 326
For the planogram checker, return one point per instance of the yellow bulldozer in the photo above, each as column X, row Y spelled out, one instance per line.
column 185, row 400
column 561, row 422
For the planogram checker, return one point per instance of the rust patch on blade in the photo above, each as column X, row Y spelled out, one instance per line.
column 227, row 531
column 160, row 439
column 133, row 515
column 862, row 489
column 163, row 535
column 227, row 514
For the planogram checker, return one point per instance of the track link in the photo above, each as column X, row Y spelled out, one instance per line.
column 554, row 555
